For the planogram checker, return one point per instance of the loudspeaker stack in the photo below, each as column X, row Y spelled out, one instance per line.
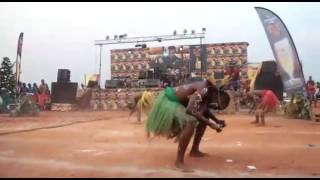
column 63, row 91
column 269, row 79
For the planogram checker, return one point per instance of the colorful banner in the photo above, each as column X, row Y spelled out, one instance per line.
column 252, row 71
column 128, row 63
column 93, row 77
column 284, row 51
column 20, row 42
column 18, row 58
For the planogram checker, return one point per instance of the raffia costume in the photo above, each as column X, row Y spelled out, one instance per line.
column 168, row 116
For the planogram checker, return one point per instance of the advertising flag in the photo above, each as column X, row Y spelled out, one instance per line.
column 284, row 51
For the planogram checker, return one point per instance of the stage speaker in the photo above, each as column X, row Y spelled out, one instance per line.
column 63, row 75
column 149, row 83
column 63, row 92
column 193, row 79
column 268, row 79
column 157, row 73
column 142, row 75
column 269, row 66
column 152, row 83
column 150, row 75
column 113, row 84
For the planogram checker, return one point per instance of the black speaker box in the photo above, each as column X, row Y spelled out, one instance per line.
column 63, row 75
column 157, row 73
column 149, row 83
column 267, row 79
column 150, row 75
column 142, row 75
column 269, row 66
column 193, row 79
column 64, row 92
column 113, row 84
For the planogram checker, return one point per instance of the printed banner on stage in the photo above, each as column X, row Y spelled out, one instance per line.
column 182, row 60
column 284, row 51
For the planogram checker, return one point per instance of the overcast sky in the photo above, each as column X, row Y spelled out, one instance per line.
column 61, row 35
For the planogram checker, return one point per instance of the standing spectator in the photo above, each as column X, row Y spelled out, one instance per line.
column 23, row 89
column 42, row 87
column 311, row 90
column 44, row 96
column 6, row 99
column 35, row 91
column 29, row 89
column 317, row 90
column 234, row 73
column 2, row 104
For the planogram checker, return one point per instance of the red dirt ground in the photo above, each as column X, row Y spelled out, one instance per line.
column 110, row 145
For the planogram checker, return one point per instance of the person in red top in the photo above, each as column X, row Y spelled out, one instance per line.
column 234, row 73
column 268, row 102
column 311, row 89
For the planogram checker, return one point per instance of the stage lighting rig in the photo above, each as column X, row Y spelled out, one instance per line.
column 139, row 42
column 122, row 36
column 123, row 39
column 143, row 46
column 174, row 32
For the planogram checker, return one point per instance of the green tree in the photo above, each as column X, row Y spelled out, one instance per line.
column 7, row 78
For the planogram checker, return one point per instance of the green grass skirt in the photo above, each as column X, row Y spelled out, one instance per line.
column 167, row 117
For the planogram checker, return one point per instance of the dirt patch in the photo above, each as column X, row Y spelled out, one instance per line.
column 116, row 147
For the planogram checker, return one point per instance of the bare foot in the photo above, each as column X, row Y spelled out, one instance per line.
column 254, row 122
column 181, row 166
column 198, row 154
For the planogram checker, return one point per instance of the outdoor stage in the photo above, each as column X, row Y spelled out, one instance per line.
column 107, row 144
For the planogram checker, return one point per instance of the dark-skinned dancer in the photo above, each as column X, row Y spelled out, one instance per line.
column 178, row 112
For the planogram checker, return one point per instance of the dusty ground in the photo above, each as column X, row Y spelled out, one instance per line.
column 110, row 145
